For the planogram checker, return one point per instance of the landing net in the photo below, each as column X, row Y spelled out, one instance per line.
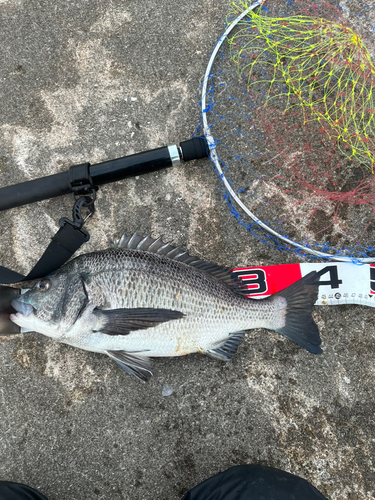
column 288, row 110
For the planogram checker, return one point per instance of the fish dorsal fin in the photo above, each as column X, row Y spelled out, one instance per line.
column 149, row 244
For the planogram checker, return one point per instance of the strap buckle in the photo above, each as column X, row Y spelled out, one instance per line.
column 84, row 202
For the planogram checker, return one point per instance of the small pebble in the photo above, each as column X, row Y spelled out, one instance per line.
column 167, row 390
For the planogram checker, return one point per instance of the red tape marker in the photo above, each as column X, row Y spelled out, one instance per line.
column 339, row 283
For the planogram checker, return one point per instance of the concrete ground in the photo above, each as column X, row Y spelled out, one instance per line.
column 99, row 79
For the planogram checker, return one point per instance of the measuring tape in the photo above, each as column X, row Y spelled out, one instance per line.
column 340, row 283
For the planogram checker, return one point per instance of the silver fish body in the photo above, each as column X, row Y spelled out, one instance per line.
column 149, row 299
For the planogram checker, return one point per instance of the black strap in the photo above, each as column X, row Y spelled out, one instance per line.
column 64, row 244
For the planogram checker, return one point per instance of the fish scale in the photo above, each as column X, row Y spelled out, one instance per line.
column 150, row 299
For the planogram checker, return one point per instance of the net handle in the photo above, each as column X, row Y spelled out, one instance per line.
column 215, row 158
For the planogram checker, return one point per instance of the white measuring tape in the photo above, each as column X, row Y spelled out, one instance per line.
column 339, row 283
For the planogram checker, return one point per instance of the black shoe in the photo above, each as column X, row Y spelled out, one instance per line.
column 254, row 482
column 16, row 491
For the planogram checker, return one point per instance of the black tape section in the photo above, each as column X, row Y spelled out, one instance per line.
column 194, row 149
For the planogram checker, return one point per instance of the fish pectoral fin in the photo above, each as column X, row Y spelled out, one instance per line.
column 139, row 366
column 124, row 321
column 226, row 350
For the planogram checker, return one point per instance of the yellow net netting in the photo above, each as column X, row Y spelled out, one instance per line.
column 321, row 65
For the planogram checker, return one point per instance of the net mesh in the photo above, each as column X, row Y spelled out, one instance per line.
column 291, row 113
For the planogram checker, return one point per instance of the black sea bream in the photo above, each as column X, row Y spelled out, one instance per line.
column 147, row 299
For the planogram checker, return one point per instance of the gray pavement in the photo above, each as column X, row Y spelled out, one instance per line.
column 95, row 80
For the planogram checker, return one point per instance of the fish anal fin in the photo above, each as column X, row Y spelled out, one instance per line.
column 138, row 366
column 226, row 350
column 124, row 321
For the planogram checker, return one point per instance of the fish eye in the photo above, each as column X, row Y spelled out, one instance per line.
column 43, row 285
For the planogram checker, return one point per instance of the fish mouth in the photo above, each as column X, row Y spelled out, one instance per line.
column 23, row 315
column 22, row 308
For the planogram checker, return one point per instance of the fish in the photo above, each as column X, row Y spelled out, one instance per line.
column 145, row 298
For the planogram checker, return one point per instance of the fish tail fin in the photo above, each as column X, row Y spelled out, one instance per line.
column 299, row 325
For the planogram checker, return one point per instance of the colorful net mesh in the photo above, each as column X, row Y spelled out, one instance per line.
column 322, row 66
column 291, row 113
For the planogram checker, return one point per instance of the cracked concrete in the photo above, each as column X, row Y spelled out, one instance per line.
column 95, row 80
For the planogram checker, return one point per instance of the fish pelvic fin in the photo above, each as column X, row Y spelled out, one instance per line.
column 226, row 350
column 299, row 324
column 138, row 366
